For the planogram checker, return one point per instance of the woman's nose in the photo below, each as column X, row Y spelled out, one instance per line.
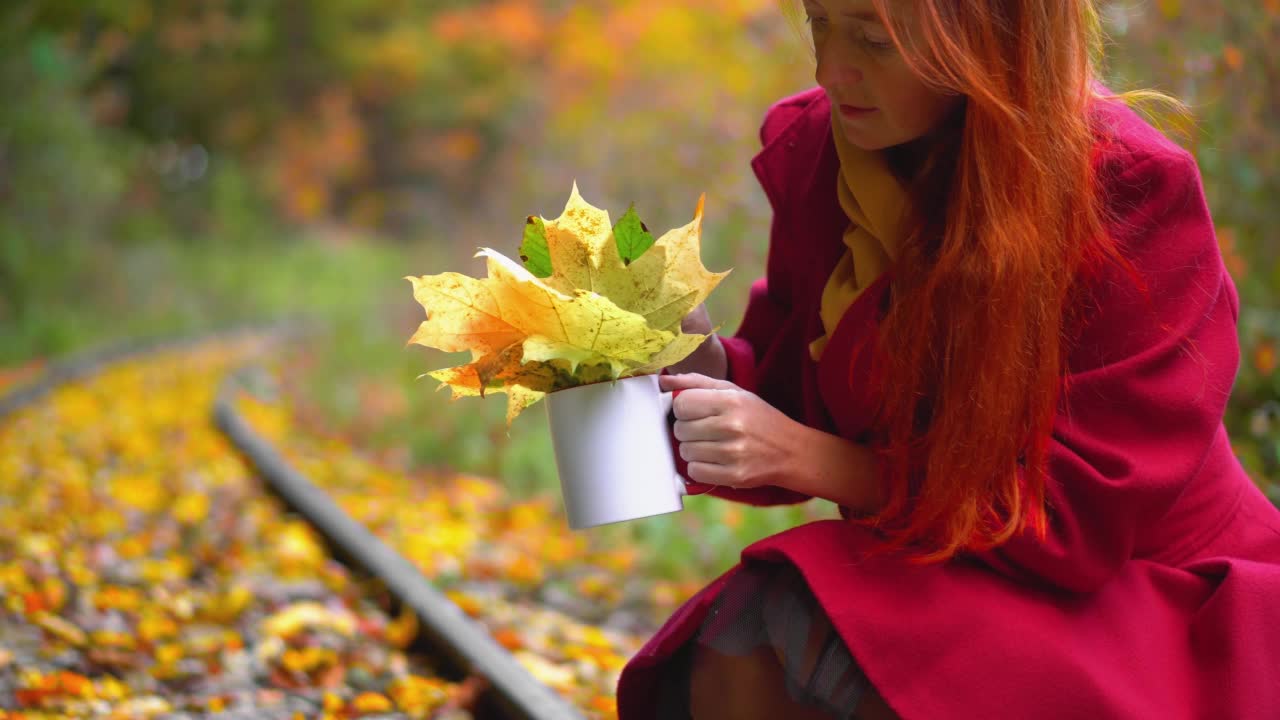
column 838, row 65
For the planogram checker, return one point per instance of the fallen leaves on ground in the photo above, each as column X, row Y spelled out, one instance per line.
column 144, row 572
column 570, row 609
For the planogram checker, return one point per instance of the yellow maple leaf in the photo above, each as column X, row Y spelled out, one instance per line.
column 664, row 284
column 595, row 318
column 462, row 314
column 581, row 326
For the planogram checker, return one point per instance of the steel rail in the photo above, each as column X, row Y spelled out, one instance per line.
column 449, row 632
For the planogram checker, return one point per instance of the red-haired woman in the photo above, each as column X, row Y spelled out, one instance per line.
column 996, row 330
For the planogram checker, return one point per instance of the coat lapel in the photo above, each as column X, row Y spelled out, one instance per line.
column 797, row 169
column 801, row 156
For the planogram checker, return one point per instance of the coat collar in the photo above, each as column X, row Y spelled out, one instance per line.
column 801, row 152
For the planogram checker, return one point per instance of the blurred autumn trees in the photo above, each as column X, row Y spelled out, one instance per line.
column 1223, row 60
column 446, row 122
column 381, row 113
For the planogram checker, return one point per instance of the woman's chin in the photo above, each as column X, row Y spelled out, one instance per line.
column 866, row 139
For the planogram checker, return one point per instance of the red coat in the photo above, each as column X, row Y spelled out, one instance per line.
column 1157, row 592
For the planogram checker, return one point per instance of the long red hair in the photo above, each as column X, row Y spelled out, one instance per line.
column 1005, row 214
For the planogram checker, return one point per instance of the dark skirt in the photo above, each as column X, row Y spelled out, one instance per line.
column 770, row 605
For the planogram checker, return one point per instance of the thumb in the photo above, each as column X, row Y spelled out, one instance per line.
column 686, row 381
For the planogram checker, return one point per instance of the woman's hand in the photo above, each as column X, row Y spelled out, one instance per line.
column 709, row 359
column 730, row 436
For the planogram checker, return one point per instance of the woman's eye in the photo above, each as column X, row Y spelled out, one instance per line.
column 877, row 45
column 816, row 22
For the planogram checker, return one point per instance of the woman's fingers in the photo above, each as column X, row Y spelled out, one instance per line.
column 706, row 452
column 686, row 381
column 713, row 418
column 701, row 430
column 709, row 473
column 698, row 403
column 712, row 451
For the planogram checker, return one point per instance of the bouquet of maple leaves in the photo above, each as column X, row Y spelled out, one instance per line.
column 590, row 302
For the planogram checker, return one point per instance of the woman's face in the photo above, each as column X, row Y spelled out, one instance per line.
column 879, row 100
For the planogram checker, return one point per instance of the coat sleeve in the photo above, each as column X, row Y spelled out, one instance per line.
column 760, row 328
column 1147, row 383
column 760, row 356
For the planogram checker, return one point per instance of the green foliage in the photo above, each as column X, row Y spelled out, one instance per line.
column 1222, row 59
column 60, row 182
column 632, row 237
column 345, row 107
column 534, row 251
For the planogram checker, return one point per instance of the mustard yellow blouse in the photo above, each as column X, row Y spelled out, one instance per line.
column 874, row 200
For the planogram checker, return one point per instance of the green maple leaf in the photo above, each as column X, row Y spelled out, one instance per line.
column 533, row 251
column 631, row 236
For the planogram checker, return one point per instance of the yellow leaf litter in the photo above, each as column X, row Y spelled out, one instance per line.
column 145, row 571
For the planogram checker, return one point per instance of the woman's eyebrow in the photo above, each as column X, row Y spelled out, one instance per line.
column 863, row 15
column 867, row 15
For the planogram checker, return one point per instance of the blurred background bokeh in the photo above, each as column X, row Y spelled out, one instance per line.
column 170, row 166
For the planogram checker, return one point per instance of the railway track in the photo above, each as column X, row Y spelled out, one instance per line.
column 164, row 558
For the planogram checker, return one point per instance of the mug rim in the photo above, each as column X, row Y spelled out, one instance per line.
column 601, row 382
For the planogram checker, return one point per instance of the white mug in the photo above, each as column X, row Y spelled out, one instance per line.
column 613, row 450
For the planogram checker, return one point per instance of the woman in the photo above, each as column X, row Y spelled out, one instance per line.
column 996, row 330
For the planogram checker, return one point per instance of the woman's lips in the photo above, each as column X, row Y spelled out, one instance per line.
column 853, row 111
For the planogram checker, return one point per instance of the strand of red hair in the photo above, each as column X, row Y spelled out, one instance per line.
column 1005, row 216
column 975, row 337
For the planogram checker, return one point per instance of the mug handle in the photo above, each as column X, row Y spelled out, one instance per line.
column 684, row 486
